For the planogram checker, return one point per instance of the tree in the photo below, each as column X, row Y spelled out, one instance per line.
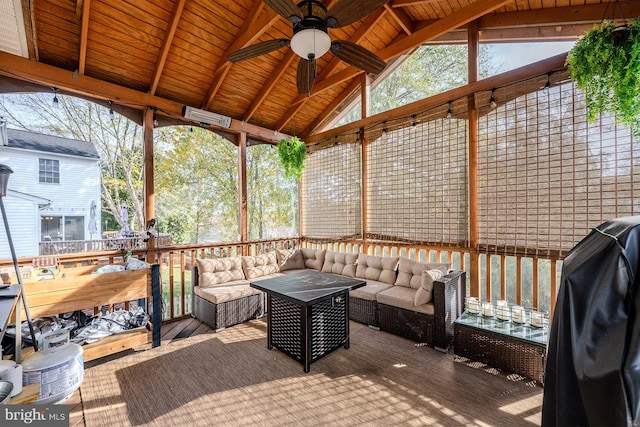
column 117, row 140
column 272, row 198
column 428, row 71
column 196, row 178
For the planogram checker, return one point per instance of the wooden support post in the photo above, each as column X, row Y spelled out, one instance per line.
column 364, row 169
column 149, row 191
column 242, row 190
column 474, row 266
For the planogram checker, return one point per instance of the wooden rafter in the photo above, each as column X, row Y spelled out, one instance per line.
column 269, row 85
column 567, row 23
column 84, row 31
column 252, row 28
column 353, row 86
column 554, row 63
column 31, row 71
column 402, row 45
column 401, row 17
column 166, row 45
column 406, row 3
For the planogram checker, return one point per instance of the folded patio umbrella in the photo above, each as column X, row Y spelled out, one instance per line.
column 592, row 375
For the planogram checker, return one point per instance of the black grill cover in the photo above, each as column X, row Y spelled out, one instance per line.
column 592, row 374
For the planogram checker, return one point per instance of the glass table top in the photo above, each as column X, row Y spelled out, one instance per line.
column 506, row 327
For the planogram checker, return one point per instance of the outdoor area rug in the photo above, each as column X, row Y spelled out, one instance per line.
column 231, row 378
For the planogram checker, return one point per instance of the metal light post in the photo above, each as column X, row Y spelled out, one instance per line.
column 5, row 171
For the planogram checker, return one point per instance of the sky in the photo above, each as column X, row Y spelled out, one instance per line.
column 514, row 55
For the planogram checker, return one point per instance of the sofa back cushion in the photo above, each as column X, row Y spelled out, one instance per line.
column 219, row 270
column 340, row 263
column 410, row 272
column 424, row 294
column 260, row 265
column 313, row 258
column 382, row 269
column 289, row 259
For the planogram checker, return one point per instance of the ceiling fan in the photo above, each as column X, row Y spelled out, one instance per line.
column 311, row 22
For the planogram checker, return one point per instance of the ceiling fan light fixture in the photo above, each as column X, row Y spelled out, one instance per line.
column 310, row 41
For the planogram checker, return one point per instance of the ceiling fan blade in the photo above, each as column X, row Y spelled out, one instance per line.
column 257, row 49
column 358, row 56
column 285, row 8
column 306, row 75
column 347, row 12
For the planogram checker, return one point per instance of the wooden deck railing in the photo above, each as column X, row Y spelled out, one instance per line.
column 531, row 282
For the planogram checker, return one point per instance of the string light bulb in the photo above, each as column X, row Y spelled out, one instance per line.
column 547, row 85
column 413, row 120
column 155, row 120
column 449, row 111
column 111, row 113
column 492, row 101
column 384, row 132
column 55, row 97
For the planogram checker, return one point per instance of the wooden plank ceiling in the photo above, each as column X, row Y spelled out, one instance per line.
column 175, row 51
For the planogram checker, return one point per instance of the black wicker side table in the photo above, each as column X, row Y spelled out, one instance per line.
column 308, row 313
column 518, row 348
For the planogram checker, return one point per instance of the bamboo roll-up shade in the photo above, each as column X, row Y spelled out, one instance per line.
column 417, row 181
column 546, row 176
column 331, row 196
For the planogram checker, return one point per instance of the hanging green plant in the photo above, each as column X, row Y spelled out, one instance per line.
column 605, row 64
column 292, row 152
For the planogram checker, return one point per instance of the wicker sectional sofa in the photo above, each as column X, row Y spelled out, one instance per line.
column 415, row 300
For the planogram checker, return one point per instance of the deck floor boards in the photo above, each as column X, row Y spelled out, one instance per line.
column 174, row 330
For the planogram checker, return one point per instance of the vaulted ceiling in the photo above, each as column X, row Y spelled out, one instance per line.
column 166, row 54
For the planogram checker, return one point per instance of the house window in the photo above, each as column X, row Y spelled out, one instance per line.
column 49, row 171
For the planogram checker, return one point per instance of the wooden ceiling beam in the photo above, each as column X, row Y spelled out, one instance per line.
column 252, row 28
column 348, row 99
column 517, row 35
column 401, row 18
column 84, row 32
column 31, row 71
column 406, row 3
column 362, row 31
column 401, row 46
column 270, row 84
column 166, row 45
column 441, row 26
column 555, row 63
column 353, row 86
column 589, row 14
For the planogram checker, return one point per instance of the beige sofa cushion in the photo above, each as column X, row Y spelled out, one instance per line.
column 410, row 272
column 402, row 297
column 340, row 263
column 313, row 258
column 381, row 269
column 223, row 293
column 219, row 270
column 369, row 291
column 260, row 265
column 424, row 293
column 289, row 259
